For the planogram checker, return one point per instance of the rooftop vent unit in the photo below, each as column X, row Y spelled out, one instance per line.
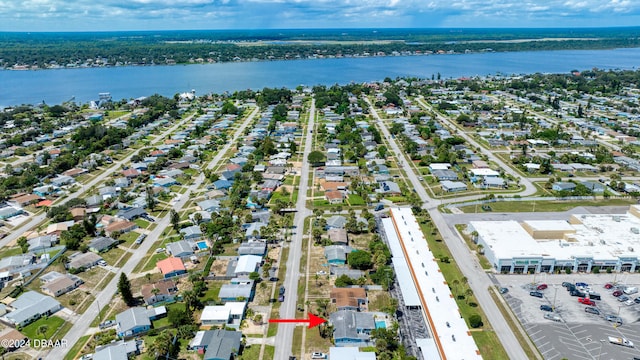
column 630, row 248
column 635, row 230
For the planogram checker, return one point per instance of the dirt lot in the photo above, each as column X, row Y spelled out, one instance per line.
column 219, row 266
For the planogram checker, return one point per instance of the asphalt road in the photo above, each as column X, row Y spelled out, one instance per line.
column 467, row 262
column 104, row 297
column 116, row 166
column 284, row 337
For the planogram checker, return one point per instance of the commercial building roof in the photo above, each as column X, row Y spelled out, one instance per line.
column 450, row 329
column 597, row 236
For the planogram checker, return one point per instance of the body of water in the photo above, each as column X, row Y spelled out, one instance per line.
column 56, row 86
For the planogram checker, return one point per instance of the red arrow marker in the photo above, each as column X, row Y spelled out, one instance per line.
column 312, row 320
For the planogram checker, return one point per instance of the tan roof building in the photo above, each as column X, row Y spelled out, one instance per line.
column 338, row 236
column 61, row 285
column 334, row 197
column 122, row 226
column 164, row 291
column 349, row 298
column 78, row 213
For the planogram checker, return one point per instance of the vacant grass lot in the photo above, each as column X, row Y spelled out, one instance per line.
column 43, row 328
column 546, row 206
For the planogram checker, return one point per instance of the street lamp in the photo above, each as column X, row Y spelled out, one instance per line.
column 555, row 292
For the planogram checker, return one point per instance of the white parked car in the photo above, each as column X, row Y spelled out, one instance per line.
column 629, row 302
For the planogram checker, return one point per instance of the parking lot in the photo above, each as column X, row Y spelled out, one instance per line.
column 577, row 334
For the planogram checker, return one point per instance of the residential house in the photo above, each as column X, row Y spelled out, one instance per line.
column 237, row 289
column 192, row 232
column 209, row 205
column 159, row 292
column 58, row 228
column 122, row 182
column 445, row 175
column 102, row 244
column 25, row 200
column 131, row 213
column 171, row 267
column 334, row 196
column 351, row 328
column 121, row 350
column 336, row 222
column 595, row 187
column 252, row 230
column 42, row 242
column 74, row 172
column 61, row 285
column 108, row 192
column 228, row 315
column 131, row 173
column 337, row 254
column 222, row 184
column 217, row 344
column 338, row 271
column 165, row 182
column 205, row 217
column 247, row 264
column 44, row 190
column 180, row 249
column 563, row 186
column 453, row 186
column 132, row 322
column 62, row 180
column 31, row 306
column 494, row 182
column 83, row 260
column 258, row 248
column 94, row 200
column 338, row 236
column 9, row 212
column 78, row 213
column 389, row 188
column 123, row 226
column 354, row 299
column 13, row 264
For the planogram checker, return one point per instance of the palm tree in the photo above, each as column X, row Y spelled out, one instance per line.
column 455, row 283
column 468, row 294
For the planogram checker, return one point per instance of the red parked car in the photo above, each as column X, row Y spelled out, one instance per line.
column 617, row 293
column 608, row 286
column 542, row 286
column 586, row 301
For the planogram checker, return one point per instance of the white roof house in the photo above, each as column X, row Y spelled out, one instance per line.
column 230, row 314
column 484, row 172
column 247, row 264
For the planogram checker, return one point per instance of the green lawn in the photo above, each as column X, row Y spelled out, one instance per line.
column 49, row 325
column 355, row 200
column 546, row 206
column 213, row 289
column 128, row 238
column 77, row 348
column 112, row 256
column 141, row 223
column 153, row 260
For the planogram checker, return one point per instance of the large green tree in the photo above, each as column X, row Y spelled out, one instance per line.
column 124, row 288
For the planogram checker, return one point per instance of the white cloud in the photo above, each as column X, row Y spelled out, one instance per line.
column 54, row 15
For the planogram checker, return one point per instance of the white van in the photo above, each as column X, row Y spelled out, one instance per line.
column 630, row 290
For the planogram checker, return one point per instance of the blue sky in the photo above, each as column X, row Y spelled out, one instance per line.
column 106, row 15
